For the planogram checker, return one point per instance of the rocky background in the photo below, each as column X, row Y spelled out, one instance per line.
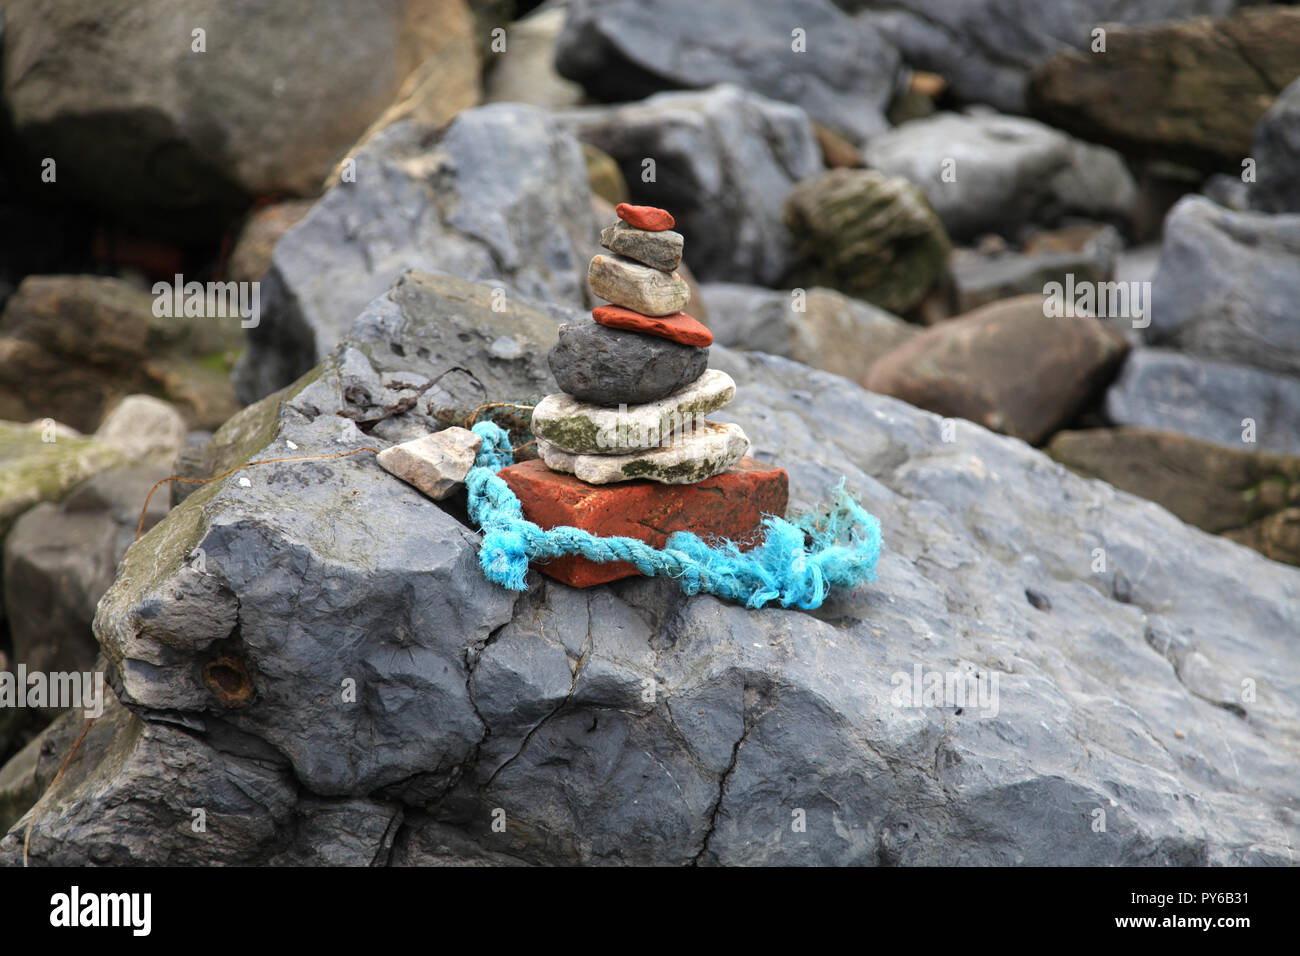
column 908, row 224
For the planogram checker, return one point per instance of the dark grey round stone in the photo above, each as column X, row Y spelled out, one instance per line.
column 616, row 367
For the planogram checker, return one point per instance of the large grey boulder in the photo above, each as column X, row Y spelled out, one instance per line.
column 805, row 52
column 722, row 161
column 986, row 49
column 1276, row 152
column 1214, row 401
column 985, row 172
column 1228, row 285
column 338, row 660
column 500, row 193
column 168, row 109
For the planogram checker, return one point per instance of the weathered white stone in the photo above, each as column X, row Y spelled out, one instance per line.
column 436, row 463
column 640, row 288
column 581, row 428
column 701, row 451
column 143, row 427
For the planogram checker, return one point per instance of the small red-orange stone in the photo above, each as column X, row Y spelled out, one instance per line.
column 729, row 505
column 645, row 217
column 678, row 327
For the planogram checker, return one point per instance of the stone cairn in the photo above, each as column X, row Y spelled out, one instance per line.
column 636, row 381
column 625, row 450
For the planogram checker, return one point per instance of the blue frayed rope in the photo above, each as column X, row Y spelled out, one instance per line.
column 844, row 544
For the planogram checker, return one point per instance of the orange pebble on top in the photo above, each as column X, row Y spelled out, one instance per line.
column 645, row 217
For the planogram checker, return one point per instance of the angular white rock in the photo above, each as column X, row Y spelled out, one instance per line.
column 436, row 463
column 639, row 288
column 705, row 450
column 581, row 428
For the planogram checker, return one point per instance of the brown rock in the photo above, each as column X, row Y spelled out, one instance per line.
column 729, row 505
column 1251, row 497
column 1006, row 366
column 1189, row 91
column 837, row 152
column 71, row 346
column 251, row 256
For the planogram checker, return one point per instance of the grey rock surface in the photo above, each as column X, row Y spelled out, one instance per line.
column 985, row 172
column 1227, row 286
column 1159, row 388
column 500, row 193
column 987, row 48
column 723, row 161
column 844, row 76
column 1120, row 689
column 1277, row 155
column 615, row 367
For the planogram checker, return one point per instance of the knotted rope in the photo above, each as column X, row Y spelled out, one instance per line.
column 797, row 563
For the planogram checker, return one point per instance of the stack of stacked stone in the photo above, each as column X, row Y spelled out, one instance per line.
column 626, row 450
column 636, row 380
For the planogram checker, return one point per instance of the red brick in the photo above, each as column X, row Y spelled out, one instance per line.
column 645, row 217
column 730, row 505
column 678, row 327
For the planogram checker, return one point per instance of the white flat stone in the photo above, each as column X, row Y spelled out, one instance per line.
column 582, row 428
column 705, row 450
column 639, row 288
column 436, row 463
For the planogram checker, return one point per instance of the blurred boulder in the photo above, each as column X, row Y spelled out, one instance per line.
column 868, row 235
column 1228, row 286
column 501, row 192
column 804, row 52
column 1252, row 498
column 1006, row 366
column 59, row 559
column 257, row 98
column 721, row 161
column 525, row 72
column 70, row 346
column 1086, row 252
column 984, row 172
column 1190, row 92
column 986, row 49
column 1234, row 405
column 819, row 327
column 1276, row 152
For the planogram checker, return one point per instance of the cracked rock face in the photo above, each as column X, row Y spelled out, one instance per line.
column 500, row 193
column 628, row 723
